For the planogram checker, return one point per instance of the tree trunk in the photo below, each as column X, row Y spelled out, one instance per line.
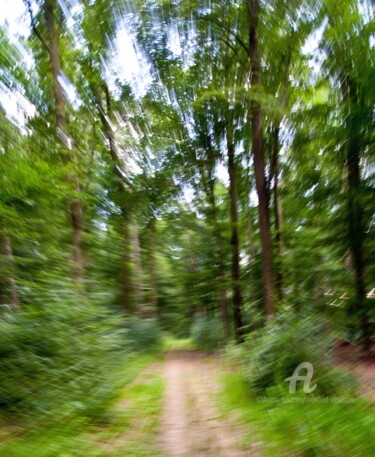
column 275, row 174
column 278, row 215
column 105, row 116
column 355, row 218
column 74, row 205
column 250, row 238
column 153, row 267
column 222, row 290
column 77, row 224
column 54, row 52
column 355, row 215
column 6, row 251
column 138, row 276
column 259, row 164
column 126, row 295
column 131, row 288
column 236, row 272
column 199, row 307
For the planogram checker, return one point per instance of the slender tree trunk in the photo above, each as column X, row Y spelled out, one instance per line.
column 278, row 215
column 77, row 224
column 131, row 288
column 192, row 269
column 259, row 162
column 74, row 205
column 275, row 174
column 105, row 117
column 235, row 241
column 222, row 292
column 6, row 251
column 153, row 267
column 126, row 295
column 355, row 215
column 138, row 276
column 54, row 52
column 250, row 237
column 355, row 219
column 250, row 243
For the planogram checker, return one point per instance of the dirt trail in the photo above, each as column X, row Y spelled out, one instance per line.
column 191, row 424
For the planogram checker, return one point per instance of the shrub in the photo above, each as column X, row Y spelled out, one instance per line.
column 277, row 350
column 144, row 334
column 61, row 362
column 207, row 333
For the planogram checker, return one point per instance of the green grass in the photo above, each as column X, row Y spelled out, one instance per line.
column 301, row 430
column 170, row 344
column 127, row 429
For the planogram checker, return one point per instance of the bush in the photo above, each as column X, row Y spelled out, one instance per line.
column 207, row 333
column 277, row 350
column 56, row 363
column 144, row 334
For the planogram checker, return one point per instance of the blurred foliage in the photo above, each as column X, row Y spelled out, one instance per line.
column 275, row 351
column 144, row 334
column 120, row 110
column 207, row 333
column 303, row 429
column 52, row 363
column 79, row 435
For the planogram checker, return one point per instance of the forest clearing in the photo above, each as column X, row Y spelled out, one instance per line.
column 187, row 249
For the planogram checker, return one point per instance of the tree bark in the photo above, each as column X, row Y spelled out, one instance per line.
column 61, row 126
column 105, row 116
column 126, row 294
column 278, row 215
column 275, row 174
column 222, row 291
column 235, row 241
column 138, row 276
column 355, row 214
column 131, row 288
column 6, row 250
column 251, row 250
column 153, row 267
column 355, row 218
column 259, row 162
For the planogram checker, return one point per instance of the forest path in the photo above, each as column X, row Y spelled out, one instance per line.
column 191, row 424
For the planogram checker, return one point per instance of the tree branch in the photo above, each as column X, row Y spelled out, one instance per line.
column 228, row 30
column 233, row 49
column 34, row 26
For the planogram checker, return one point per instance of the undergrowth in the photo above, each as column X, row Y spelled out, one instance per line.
column 301, row 429
column 331, row 421
column 120, row 431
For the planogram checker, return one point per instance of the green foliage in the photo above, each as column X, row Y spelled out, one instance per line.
column 80, row 436
column 144, row 334
column 287, row 341
column 145, row 164
column 53, row 364
column 207, row 333
column 301, row 429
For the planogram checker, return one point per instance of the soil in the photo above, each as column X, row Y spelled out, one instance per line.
column 361, row 366
column 191, row 423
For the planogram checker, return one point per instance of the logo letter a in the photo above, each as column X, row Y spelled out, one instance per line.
column 306, row 378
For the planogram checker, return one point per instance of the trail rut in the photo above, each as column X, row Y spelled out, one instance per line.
column 191, row 424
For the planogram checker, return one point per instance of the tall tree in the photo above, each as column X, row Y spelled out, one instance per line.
column 350, row 65
column 53, row 49
column 259, row 160
column 235, row 241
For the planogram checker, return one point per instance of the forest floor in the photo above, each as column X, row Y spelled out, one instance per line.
column 362, row 367
column 191, row 404
column 196, row 423
column 191, row 424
